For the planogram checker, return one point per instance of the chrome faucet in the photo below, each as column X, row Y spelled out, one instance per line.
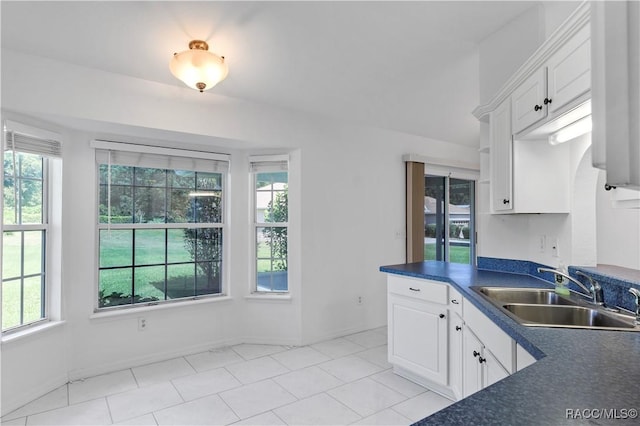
column 636, row 293
column 558, row 274
column 596, row 289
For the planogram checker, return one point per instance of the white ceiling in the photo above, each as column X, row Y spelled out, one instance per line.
column 381, row 64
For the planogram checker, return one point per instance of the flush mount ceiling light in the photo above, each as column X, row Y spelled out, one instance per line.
column 197, row 67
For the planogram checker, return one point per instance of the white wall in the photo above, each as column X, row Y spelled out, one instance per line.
column 618, row 231
column 347, row 203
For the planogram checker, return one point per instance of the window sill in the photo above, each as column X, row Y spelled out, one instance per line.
column 124, row 312
column 282, row 297
column 30, row 331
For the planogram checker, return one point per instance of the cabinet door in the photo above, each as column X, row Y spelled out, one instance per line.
column 472, row 369
column 501, row 158
column 569, row 71
column 493, row 371
column 527, row 101
column 418, row 337
column 615, row 95
column 455, row 354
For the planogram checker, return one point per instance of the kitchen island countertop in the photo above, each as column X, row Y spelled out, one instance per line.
column 581, row 376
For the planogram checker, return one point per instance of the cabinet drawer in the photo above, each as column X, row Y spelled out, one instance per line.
column 430, row 291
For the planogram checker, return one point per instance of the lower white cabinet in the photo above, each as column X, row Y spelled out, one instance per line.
column 443, row 342
column 481, row 367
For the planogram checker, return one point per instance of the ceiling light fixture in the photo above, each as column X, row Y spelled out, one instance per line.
column 197, row 67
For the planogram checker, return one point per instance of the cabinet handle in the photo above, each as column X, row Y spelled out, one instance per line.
column 458, row 328
column 441, row 315
column 547, row 101
column 505, row 201
column 481, row 360
column 476, row 353
column 455, row 301
column 414, row 289
column 537, row 107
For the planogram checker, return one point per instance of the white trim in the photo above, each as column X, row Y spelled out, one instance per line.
column 148, row 149
column 30, row 331
column 123, row 311
column 445, row 167
column 270, row 296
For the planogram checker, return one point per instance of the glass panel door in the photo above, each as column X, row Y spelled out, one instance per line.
column 449, row 219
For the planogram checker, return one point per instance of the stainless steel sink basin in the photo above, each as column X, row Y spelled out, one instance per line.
column 542, row 307
column 567, row 316
column 537, row 296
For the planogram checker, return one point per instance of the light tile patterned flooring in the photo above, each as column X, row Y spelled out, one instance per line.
column 338, row 382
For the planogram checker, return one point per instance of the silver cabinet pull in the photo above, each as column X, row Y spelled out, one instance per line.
column 414, row 289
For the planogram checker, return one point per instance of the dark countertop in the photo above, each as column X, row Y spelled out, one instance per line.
column 576, row 369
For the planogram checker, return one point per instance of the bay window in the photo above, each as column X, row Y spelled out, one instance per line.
column 161, row 224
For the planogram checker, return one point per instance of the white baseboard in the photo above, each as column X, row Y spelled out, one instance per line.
column 11, row 401
column 123, row 364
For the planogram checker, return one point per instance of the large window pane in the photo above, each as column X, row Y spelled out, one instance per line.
column 434, row 218
column 181, row 280
column 30, row 201
column 149, row 284
column 11, row 254
column 120, row 175
column 178, row 247
column 208, row 278
column 9, row 215
column 115, row 287
column 181, row 206
column 32, row 299
column 150, row 177
column 121, row 204
column 33, row 252
column 29, row 165
column 149, row 205
column 207, row 207
column 149, row 246
column 460, row 202
column 209, row 181
column 271, row 258
column 11, row 303
column 116, row 248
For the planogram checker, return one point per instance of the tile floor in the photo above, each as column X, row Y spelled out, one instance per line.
column 337, row 382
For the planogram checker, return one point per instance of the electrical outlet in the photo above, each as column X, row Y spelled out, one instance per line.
column 142, row 324
column 542, row 243
column 359, row 301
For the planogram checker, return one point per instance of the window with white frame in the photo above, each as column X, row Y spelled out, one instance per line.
column 25, row 228
column 161, row 224
column 270, row 179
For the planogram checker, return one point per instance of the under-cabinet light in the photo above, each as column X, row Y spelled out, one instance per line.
column 572, row 131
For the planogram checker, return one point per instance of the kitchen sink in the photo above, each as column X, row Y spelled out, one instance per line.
column 567, row 316
column 536, row 296
column 542, row 307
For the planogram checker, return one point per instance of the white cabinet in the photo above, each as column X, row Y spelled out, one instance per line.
column 456, row 351
column 557, row 86
column 481, row 367
column 528, row 105
column 501, row 158
column 438, row 339
column 615, row 100
column 418, row 328
column 569, row 72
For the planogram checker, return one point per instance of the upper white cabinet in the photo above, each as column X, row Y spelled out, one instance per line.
column 555, row 87
column 569, row 73
column 501, row 158
column 527, row 101
column 615, row 55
